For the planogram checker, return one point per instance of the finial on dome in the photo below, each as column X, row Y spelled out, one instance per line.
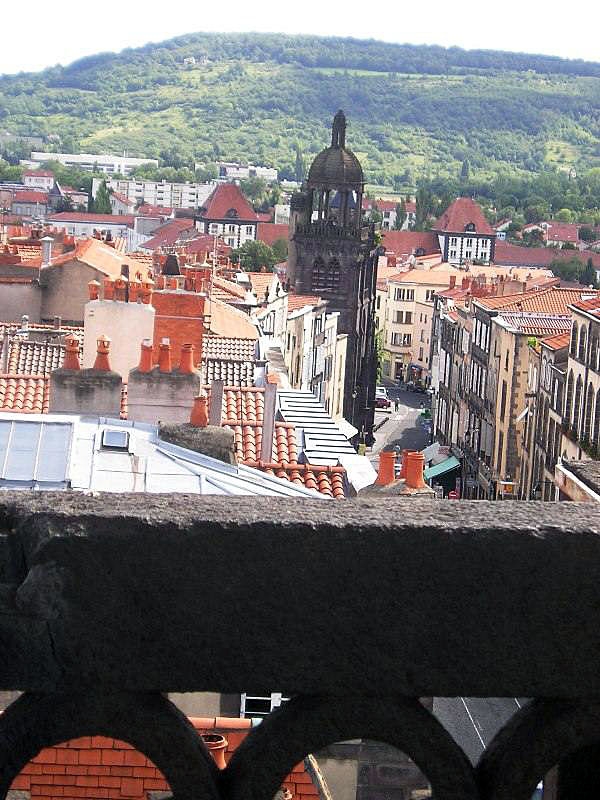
column 338, row 130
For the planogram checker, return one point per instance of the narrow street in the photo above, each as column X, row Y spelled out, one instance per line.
column 402, row 428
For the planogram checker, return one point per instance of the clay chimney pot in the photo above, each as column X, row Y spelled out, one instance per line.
column 102, row 362
column 71, row 360
column 145, row 364
column 109, row 289
column 414, row 470
column 164, row 356
column 217, row 745
column 386, row 474
column 94, row 290
column 186, row 363
column 199, row 415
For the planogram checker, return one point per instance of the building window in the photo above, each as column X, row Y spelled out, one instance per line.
column 420, row 354
column 453, row 241
column 249, row 230
column 406, row 339
column 452, row 253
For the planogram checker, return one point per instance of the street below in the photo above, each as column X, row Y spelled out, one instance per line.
column 403, row 427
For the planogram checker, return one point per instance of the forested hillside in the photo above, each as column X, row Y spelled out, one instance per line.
column 414, row 112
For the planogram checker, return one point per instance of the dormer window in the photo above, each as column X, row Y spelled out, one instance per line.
column 232, row 213
column 470, row 226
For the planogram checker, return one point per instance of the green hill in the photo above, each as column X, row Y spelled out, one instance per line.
column 413, row 111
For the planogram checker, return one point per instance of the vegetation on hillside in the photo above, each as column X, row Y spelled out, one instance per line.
column 414, row 112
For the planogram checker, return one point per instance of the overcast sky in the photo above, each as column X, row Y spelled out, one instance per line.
column 64, row 30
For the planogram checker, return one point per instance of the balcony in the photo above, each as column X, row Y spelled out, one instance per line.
column 355, row 608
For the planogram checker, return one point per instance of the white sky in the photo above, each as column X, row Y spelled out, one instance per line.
column 64, row 30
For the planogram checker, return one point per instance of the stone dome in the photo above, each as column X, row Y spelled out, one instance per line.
column 336, row 167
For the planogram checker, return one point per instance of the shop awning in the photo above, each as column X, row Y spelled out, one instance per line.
column 441, row 468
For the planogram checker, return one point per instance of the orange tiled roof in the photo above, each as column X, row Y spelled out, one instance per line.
column 33, row 358
column 243, row 410
column 558, row 341
column 554, row 300
column 229, row 347
column 261, row 282
column 462, row 212
column 27, row 394
column 270, row 232
column 31, row 196
column 296, row 301
column 225, row 198
column 593, row 304
column 115, row 770
column 408, row 242
column 168, row 234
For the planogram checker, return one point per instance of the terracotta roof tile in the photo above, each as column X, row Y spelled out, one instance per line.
column 296, row 301
column 514, row 255
column 554, row 300
column 30, row 196
column 225, row 198
column 558, row 341
column 26, row 394
column 33, row 358
column 38, row 173
column 168, row 234
column 230, row 348
column 94, row 219
column 536, row 324
column 238, row 373
column 462, row 212
column 270, row 232
column 409, row 242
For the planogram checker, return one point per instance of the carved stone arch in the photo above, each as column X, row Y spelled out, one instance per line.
column 333, row 273
column 537, row 738
column 569, row 399
column 589, row 405
column 577, row 415
column 319, row 274
column 149, row 722
column 305, row 725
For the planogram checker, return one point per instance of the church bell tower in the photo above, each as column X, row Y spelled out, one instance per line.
column 332, row 254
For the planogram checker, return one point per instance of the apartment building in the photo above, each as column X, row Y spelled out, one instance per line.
column 165, row 194
column 464, row 234
column 92, row 162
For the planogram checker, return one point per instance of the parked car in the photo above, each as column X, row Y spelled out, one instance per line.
column 381, row 398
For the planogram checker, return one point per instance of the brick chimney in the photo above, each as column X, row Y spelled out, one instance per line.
column 95, row 391
column 161, row 393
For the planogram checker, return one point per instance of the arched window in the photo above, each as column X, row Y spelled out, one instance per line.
column 545, row 422
column 589, row 405
column 577, row 404
column 573, row 347
column 232, row 213
column 319, row 275
column 470, row 226
column 569, row 399
column 333, row 275
column 597, row 421
column 594, row 350
column 582, row 343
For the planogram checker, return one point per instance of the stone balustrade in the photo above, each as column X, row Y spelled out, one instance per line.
column 355, row 609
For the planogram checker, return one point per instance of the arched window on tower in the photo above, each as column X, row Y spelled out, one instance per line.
column 333, row 275
column 319, row 275
column 569, row 400
column 574, row 333
column 577, row 405
column 589, row 407
column 582, row 343
column 594, row 348
column 597, row 421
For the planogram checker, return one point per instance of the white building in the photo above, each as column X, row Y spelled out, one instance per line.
column 38, row 179
column 159, row 193
column 231, row 171
column 122, row 165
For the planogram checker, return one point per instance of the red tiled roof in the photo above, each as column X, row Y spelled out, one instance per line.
column 554, row 300
column 563, row 232
column 516, row 256
column 103, row 767
column 461, row 213
column 270, row 232
column 168, row 234
column 536, row 324
column 94, row 219
column 30, row 196
column 264, row 217
column 123, row 199
column 27, row 394
column 147, row 210
column 243, row 410
column 408, row 242
column 558, row 341
column 296, row 301
column 225, row 198
column 38, row 173
column 230, row 348
column 27, row 357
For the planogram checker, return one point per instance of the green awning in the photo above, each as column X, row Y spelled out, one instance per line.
column 441, row 468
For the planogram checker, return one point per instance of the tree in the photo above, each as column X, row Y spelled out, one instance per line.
column 254, row 255
column 400, row 215
column 564, row 215
column 588, row 276
column 102, row 200
column 586, row 234
column 300, row 166
column 280, row 250
column 465, row 172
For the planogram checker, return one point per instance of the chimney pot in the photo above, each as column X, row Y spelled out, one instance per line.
column 71, row 359
column 386, row 474
column 186, row 363
column 199, row 416
column 145, row 364
column 109, row 289
column 164, row 356
column 102, row 362
column 94, row 290
column 414, row 470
